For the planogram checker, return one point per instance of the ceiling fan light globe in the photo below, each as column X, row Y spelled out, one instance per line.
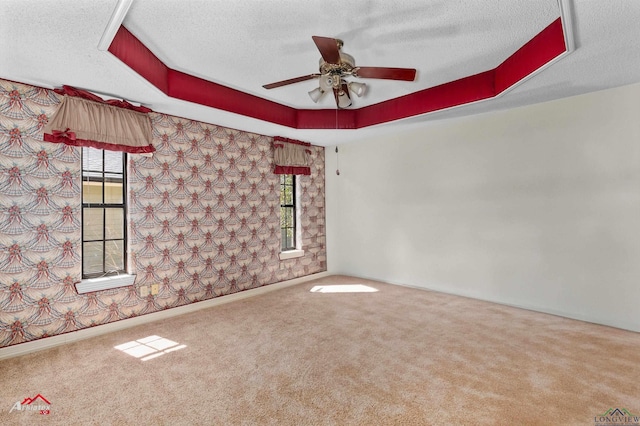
column 316, row 94
column 343, row 100
column 358, row 88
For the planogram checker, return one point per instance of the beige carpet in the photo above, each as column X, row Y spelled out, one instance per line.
column 398, row 356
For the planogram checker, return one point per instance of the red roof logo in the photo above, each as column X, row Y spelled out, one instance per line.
column 28, row 401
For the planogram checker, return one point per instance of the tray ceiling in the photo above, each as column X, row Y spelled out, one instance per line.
column 245, row 44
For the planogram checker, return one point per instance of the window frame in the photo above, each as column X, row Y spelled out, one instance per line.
column 104, row 179
column 293, row 207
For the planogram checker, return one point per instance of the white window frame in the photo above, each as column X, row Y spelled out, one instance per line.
column 297, row 251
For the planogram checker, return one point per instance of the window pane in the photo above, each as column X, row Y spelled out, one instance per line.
column 287, row 238
column 113, row 192
column 288, row 179
column 92, row 225
column 114, row 224
column 91, row 159
column 283, row 213
column 288, row 195
column 114, row 259
column 113, row 161
column 91, row 192
column 92, row 258
column 288, row 217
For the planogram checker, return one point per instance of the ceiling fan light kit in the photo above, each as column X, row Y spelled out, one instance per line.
column 335, row 66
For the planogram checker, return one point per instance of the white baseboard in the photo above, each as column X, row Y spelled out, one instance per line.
column 85, row 333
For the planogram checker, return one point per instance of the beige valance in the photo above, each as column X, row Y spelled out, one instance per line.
column 291, row 156
column 82, row 122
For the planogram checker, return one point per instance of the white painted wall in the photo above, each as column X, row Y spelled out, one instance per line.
column 537, row 207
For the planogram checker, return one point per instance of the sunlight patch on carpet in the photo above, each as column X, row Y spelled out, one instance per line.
column 343, row 288
column 150, row 347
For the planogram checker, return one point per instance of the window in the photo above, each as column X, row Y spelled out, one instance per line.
column 288, row 212
column 103, row 212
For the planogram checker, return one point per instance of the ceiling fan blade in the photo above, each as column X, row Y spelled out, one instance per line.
column 343, row 100
column 290, row 81
column 407, row 74
column 328, row 48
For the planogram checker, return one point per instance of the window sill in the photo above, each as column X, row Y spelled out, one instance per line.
column 90, row 285
column 291, row 254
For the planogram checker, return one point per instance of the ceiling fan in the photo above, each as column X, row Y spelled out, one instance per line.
column 335, row 65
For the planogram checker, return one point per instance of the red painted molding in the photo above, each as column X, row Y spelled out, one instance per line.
column 539, row 51
column 327, row 119
column 458, row 92
column 126, row 47
column 536, row 53
column 193, row 89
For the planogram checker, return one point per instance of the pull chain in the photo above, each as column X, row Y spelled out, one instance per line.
column 337, row 156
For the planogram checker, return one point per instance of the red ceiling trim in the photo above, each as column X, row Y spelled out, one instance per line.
column 327, row 118
column 539, row 51
column 193, row 89
column 126, row 47
column 459, row 92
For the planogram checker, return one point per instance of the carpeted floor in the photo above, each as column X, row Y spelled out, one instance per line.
column 396, row 356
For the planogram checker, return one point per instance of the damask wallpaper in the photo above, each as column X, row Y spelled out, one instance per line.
column 203, row 220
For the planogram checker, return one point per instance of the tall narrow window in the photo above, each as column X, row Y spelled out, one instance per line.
column 103, row 212
column 288, row 211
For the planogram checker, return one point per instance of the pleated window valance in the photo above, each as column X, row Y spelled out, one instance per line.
column 291, row 156
column 95, row 123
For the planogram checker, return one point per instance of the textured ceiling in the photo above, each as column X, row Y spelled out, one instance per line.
column 244, row 44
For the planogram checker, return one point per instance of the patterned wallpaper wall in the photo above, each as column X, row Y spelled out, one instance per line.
column 204, row 220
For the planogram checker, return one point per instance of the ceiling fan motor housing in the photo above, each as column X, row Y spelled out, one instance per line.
column 345, row 67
